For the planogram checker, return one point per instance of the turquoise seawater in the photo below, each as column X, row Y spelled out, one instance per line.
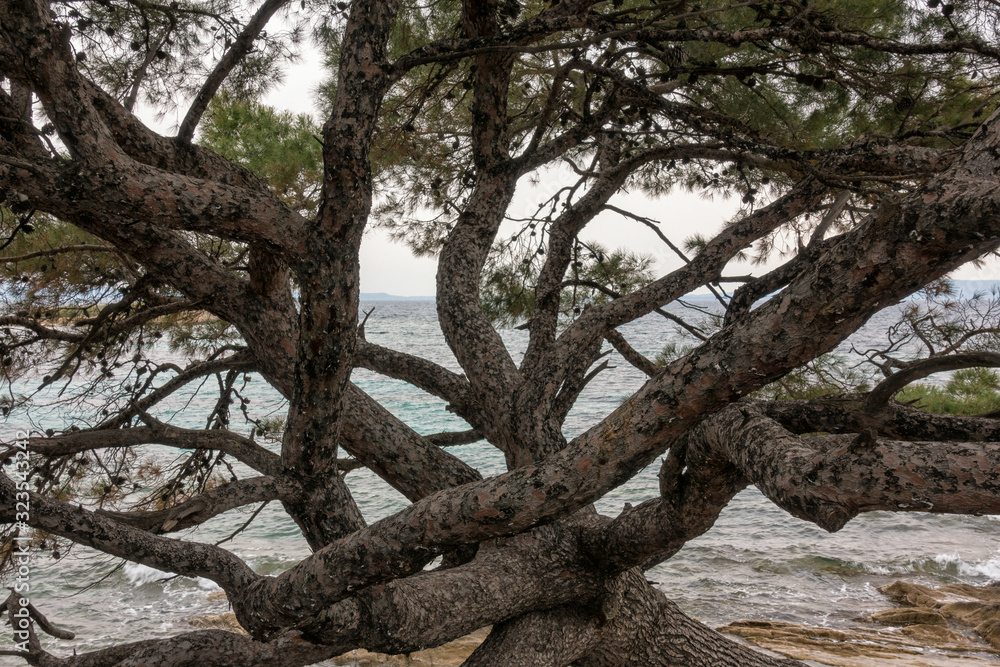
column 756, row 563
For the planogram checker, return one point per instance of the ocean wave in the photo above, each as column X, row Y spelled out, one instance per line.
column 952, row 565
column 139, row 575
column 987, row 568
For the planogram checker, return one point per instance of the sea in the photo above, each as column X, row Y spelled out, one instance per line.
column 757, row 562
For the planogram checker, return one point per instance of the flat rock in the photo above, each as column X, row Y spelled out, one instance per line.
column 226, row 621
column 913, row 646
column 907, row 616
column 935, row 627
column 973, row 607
column 451, row 654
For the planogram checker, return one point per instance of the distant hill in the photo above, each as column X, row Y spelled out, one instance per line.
column 382, row 296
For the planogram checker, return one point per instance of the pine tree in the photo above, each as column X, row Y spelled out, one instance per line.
column 866, row 132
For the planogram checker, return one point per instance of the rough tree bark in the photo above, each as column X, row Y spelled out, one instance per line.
column 613, row 92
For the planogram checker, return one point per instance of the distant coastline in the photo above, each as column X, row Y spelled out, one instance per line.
column 382, row 296
column 963, row 288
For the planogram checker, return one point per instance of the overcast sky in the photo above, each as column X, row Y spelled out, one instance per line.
column 390, row 267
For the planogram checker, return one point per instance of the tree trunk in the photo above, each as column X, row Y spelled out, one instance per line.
column 632, row 623
column 645, row 629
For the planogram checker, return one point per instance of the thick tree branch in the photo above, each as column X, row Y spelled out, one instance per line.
column 520, row 582
column 744, row 297
column 630, row 354
column 829, row 480
column 105, row 534
column 421, row 373
column 471, row 337
column 218, row 648
column 242, row 449
column 329, row 274
column 953, row 217
column 846, row 414
column 103, row 179
column 455, row 438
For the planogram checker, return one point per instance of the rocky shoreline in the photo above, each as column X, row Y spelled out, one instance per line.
column 950, row 626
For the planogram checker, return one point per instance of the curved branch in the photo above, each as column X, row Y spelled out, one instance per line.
column 829, row 480
column 242, row 449
column 219, row 648
column 206, row 505
column 44, row 332
column 146, row 146
column 916, row 370
column 846, row 414
column 239, row 361
column 13, row 601
column 102, row 178
column 105, row 534
column 476, row 345
column 138, row 191
column 419, row 372
column 630, row 354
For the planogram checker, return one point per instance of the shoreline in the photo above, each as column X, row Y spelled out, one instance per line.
column 954, row 625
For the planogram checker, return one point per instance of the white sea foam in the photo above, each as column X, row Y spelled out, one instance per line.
column 986, row 568
column 951, row 564
column 137, row 574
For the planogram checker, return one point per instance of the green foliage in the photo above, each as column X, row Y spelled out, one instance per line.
column 48, row 279
column 970, row 391
column 36, row 276
column 194, row 333
column 279, row 147
column 970, row 382
column 149, row 52
column 596, row 275
column 671, row 351
column 827, row 374
column 618, row 272
column 772, row 100
column 506, row 294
